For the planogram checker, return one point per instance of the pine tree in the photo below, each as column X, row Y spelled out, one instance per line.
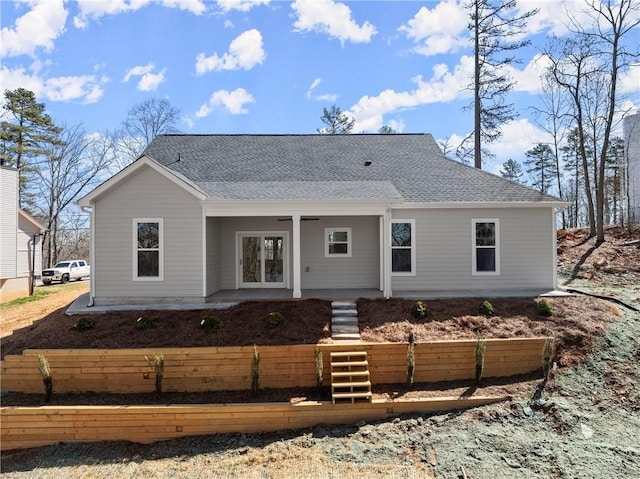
column 511, row 170
column 542, row 165
column 337, row 121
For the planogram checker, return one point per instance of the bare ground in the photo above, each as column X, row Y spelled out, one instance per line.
column 585, row 424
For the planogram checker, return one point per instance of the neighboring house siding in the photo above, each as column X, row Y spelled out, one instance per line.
column 361, row 270
column 8, row 222
column 214, row 258
column 147, row 194
column 444, row 250
column 26, row 251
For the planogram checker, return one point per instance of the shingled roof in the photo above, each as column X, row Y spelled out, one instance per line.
column 407, row 167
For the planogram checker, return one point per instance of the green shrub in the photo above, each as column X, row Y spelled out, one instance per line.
column 544, row 308
column 255, row 371
column 145, row 322
column 211, row 323
column 158, row 366
column 481, row 345
column 411, row 364
column 319, row 369
column 419, row 310
column 274, row 319
column 486, row 309
column 84, row 324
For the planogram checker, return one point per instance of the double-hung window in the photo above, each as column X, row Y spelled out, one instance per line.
column 486, row 246
column 403, row 243
column 148, row 260
column 337, row 242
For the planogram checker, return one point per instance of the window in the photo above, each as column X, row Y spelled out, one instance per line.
column 403, row 241
column 337, row 242
column 486, row 246
column 148, row 261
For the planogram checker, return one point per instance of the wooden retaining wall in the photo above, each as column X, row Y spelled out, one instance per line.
column 24, row 427
column 229, row 368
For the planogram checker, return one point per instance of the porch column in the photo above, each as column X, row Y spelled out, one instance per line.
column 386, row 253
column 297, row 291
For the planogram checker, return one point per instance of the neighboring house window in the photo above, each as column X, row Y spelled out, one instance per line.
column 148, row 261
column 337, row 242
column 486, row 246
column 403, row 242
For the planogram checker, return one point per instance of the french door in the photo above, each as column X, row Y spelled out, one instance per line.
column 262, row 260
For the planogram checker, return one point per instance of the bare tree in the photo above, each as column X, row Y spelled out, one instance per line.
column 143, row 123
column 495, row 30
column 72, row 166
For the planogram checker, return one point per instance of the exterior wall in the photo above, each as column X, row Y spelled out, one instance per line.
column 147, row 194
column 8, row 222
column 632, row 140
column 214, row 258
column 13, row 288
column 229, row 227
column 361, row 270
column 26, row 249
column 444, row 251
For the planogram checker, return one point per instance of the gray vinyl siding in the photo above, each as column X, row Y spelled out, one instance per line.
column 8, row 222
column 147, row 194
column 361, row 270
column 444, row 250
column 26, row 250
column 214, row 255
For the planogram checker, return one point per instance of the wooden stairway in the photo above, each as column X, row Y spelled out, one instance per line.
column 350, row 376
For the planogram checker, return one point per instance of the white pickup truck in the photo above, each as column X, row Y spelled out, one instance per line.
column 66, row 271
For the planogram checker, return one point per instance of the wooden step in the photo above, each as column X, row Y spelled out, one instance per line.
column 352, row 397
column 350, row 376
column 356, row 384
column 347, row 374
column 346, row 354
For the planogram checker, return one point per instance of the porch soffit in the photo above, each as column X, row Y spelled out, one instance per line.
column 295, row 208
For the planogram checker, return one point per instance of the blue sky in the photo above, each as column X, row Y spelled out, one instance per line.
column 260, row 66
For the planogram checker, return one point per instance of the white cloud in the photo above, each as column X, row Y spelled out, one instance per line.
column 241, row 5
column 245, row 52
column 518, row 136
column 39, row 27
column 630, row 79
column 530, row 79
column 443, row 86
column 334, row 19
column 85, row 88
column 148, row 81
column 328, row 97
column 234, row 101
column 94, row 10
column 442, row 29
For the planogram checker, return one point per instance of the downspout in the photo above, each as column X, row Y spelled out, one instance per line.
column 90, row 210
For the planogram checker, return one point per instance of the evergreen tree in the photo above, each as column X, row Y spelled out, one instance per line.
column 25, row 136
column 511, row 170
column 337, row 122
column 542, row 165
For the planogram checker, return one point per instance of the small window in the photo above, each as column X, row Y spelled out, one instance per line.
column 486, row 246
column 337, row 242
column 403, row 241
column 148, row 264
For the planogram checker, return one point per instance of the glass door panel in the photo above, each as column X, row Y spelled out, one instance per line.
column 273, row 259
column 251, row 260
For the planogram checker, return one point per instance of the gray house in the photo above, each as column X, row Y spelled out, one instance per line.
column 198, row 215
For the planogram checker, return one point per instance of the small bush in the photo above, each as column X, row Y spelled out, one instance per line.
column 84, row 324
column 45, row 373
column 419, row 310
column 145, row 322
column 255, row 371
column 274, row 319
column 544, row 308
column 211, row 323
column 548, row 352
column 158, row 366
column 481, row 345
column 319, row 369
column 486, row 309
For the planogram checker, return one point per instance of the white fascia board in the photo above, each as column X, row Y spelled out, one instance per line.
column 30, row 219
column 472, row 204
column 122, row 175
column 288, row 208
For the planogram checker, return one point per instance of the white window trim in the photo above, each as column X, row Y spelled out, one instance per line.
column 327, row 243
column 413, row 248
column 474, row 264
column 160, row 222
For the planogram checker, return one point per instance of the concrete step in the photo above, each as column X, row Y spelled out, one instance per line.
column 343, row 305
column 346, row 336
column 344, row 320
column 345, row 329
column 344, row 312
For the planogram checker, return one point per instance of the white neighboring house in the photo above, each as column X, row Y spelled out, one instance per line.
column 20, row 241
column 632, row 142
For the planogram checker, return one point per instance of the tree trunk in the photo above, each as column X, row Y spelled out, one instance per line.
column 477, row 105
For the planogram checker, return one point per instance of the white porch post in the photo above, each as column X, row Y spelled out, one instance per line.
column 297, row 291
column 386, row 253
